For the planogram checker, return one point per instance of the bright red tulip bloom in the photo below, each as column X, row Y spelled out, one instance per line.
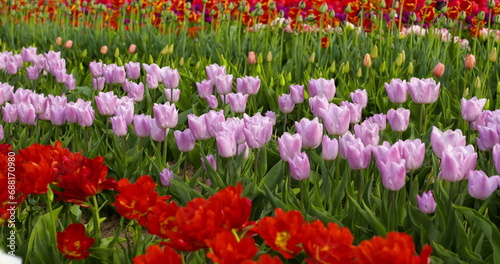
column 73, row 242
column 156, row 255
column 226, row 249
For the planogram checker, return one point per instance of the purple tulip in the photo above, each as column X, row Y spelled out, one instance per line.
column 28, row 54
column 322, row 87
column 157, row 133
column 166, row 176
column 496, row 157
column 39, row 102
column 343, row 142
column 11, row 67
column 489, row 136
column 26, row 114
column 244, row 147
column 330, row 148
column 423, row 91
column 336, row 119
column 358, row 155
column 70, row 82
column 9, row 113
column 226, row 143
column 480, row 185
column 133, row 70
column 96, row 69
column 172, row 95
column 317, row 103
column 198, row 127
column 214, row 70
column 385, row 154
column 472, row 108
column 142, row 125
column 248, row 85
column 426, row 202
column 170, row 77
column 60, row 75
column 185, row 140
column 285, row 103
column 114, row 74
column 126, row 112
column 98, row 83
column 235, row 124
column 397, row 91
column 297, row 93
column 205, row 88
column 414, row 153
column 214, row 119
column 223, row 84
column 449, row 139
column 151, row 81
column 6, row 92
column 457, row 162
column 212, row 101
column 21, row 96
column 368, row 133
column 360, row 97
column 481, row 119
column 289, row 145
column 166, row 115
column 2, row 135
column 398, row 119
column 310, row 131
column 211, row 161
column 32, row 73
column 355, row 110
column 106, row 103
column 258, row 130
column 393, row 174
column 136, row 91
column 379, row 119
column 119, row 125
column 237, row 102
column 58, row 115
column 300, row 168
column 152, row 69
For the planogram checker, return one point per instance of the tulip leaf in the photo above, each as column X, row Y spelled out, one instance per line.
column 42, row 242
column 485, row 225
column 368, row 215
column 446, row 255
column 274, row 176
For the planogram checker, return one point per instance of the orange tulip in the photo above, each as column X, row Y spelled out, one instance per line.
column 470, row 61
column 439, row 70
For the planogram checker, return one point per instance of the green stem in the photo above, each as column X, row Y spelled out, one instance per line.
column 97, row 225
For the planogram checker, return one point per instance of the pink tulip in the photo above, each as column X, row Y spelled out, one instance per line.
column 172, row 95
column 289, row 145
column 106, row 103
column 119, row 126
column 343, row 143
column 426, row 203
column 379, row 119
column 212, row 101
column 317, row 103
column 226, row 143
column 157, row 133
column 142, row 125
column 211, row 161
column 185, row 140
column 480, row 185
column 360, row 97
column 368, row 133
column 398, row 119
column 136, row 91
column 98, row 83
column 423, row 91
column 300, row 167
column 166, row 115
column 470, row 61
column 438, row 70
column 170, row 77
column 355, row 110
column 471, row 109
column 258, row 131
column 393, row 174
column 205, row 88
column 224, row 84
column 237, row 102
column 330, row 148
column 336, row 119
column 489, row 136
column 397, row 91
column 32, row 73
column 358, row 155
column 26, row 114
column 449, row 139
column 132, row 48
column 496, row 157
column 252, row 57
column 166, row 176
column 96, row 69
column 151, row 81
column 248, row 85
column 414, row 153
column 285, row 103
column 214, row 70
column 457, row 162
column 9, row 113
column 322, row 87
column 198, row 127
column 133, row 70
column 297, row 93
column 311, row 132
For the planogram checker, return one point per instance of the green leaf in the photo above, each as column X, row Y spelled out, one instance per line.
column 368, row 215
column 42, row 242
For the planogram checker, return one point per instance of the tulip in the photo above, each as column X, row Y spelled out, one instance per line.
column 21, row 96
column 368, row 133
column 224, row 83
column 185, row 140
column 343, row 142
column 248, row 85
column 214, row 70
column 258, row 131
column 488, row 136
column 360, row 97
column 393, row 174
column 106, row 103
column 272, row 117
column 104, row 50
column 39, row 102
column 398, row 119
column 300, row 168
column 310, row 131
column 322, row 87
column 132, row 48
column 236, row 125
column 6, row 92
column 438, row 70
column 237, row 102
column 166, row 176
column 151, row 81
column 211, row 162
column 26, row 114
column 385, row 154
column 358, row 155
column 86, row 116
column 166, row 115
column 98, row 83
column 205, row 88
column 285, row 103
column 379, row 119
column 68, row 44
column 252, row 59
column 172, row 95
column 423, row 91
column 9, row 113
column 96, row 69
column 32, row 73
column 471, row 109
column 226, row 143
column 127, row 112
column 59, row 41
column 355, row 110
column 58, row 115
column 133, row 70
column 136, row 91
column 198, row 127
column 317, row 103
column 397, row 91
column 142, row 125
column 212, row 101
column 214, row 120
column 70, row 82
column 170, row 77
column 470, row 61
column 426, row 202
column 244, row 147
column 457, row 162
column 157, row 133
column 297, row 93
column 289, row 145
column 2, row 135
column 480, row 185
column 336, row 119
column 496, row 157
column 329, row 148
column 367, row 61
column 414, row 153
column 114, row 74
column 449, row 139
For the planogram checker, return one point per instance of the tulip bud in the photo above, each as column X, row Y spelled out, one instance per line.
column 104, row 50
column 359, row 73
column 413, row 17
column 462, row 15
column 251, row 57
column 477, row 83
column 373, row 18
column 491, row 4
column 383, row 4
column 231, row 6
column 181, row 61
column 282, row 80
column 466, row 92
column 382, row 67
column 269, row 57
column 487, row 105
column 312, row 57
column 333, row 67
column 399, row 59
column 68, row 44
column 470, row 61
column 58, row 41
column 164, row 51
column 132, row 48
column 428, row 2
column 151, row 60
column 258, row 69
column 272, row 5
column 492, row 57
column 393, row 13
column 260, row 59
column 117, row 53
column 84, row 53
column 331, row 13
column 438, row 70
column 481, row 15
column 323, row 8
column 289, row 77
column 497, row 19
column 302, row 4
column 367, row 61
column 374, row 52
column 410, row 68
column 348, row 9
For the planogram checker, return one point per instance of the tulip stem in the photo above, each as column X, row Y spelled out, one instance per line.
column 123, row 151
column 165, row 145
column 392, row 216
column 48, row 196
column 422, row 123
column 360, row 185
column 450, row 200
column 284, row 122
column 97, row 226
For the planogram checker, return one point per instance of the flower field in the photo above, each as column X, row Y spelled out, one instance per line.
column 254, row 131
